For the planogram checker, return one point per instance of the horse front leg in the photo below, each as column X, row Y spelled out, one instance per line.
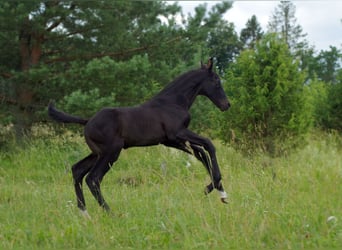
column 202, row 156
column 200, row 145
column 195, row 150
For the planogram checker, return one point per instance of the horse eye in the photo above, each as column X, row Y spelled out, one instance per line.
column 217, row 81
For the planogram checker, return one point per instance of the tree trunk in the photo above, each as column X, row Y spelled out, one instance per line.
column 36, row 50
column 25, row 40
column 30, row 42
column 30, row 45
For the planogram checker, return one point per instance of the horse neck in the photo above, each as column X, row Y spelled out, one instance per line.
column 184, row 89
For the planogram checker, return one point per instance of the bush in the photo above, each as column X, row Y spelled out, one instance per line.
column 269, row 99
column 333, row 117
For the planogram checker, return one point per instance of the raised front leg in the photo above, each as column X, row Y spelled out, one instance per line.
column 195, row 150
column 198, row 143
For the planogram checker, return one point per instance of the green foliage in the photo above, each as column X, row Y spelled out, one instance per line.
column 106, row 82
column 90, row 54
column 269, row 101
column 327, row 101
column 329, row 63
column 324, row 65
column 129, row 81
column 88, row 102
column 252, row 33
column 317, row 93
column 74, row 51
column 333, row 118
column 212, row 34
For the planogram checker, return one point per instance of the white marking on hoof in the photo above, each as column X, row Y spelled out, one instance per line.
column 223, row 194
column 85, row 214
column 224, row 197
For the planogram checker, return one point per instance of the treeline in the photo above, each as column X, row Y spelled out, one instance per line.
column 90, row 54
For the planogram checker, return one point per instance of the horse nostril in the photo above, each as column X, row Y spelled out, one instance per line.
column 225, row 105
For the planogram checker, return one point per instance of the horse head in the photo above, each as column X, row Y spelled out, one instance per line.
column 212, row 87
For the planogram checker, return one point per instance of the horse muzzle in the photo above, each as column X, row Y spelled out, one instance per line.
column 224, row 105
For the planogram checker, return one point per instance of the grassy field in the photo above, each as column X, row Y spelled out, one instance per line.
column 293, row 202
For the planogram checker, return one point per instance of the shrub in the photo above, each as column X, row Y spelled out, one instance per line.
column 269, row 99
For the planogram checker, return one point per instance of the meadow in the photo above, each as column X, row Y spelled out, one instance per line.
column 156, row 194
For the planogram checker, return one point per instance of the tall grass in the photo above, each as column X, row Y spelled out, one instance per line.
column 157, row 199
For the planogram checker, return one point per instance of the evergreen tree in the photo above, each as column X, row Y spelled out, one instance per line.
column 212, row 35
column 268, row 98
column 329, row 62
column 333, row 118
column 44, row 40
column 251, row 34
column 113, row 52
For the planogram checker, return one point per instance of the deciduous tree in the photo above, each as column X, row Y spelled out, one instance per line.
column 284, row 23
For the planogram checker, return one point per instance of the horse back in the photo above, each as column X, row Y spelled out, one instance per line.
column 137, row 126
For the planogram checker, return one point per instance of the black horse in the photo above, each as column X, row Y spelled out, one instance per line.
column 162, row 120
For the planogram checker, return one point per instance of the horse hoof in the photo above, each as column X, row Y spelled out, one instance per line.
column 85, row 214
column 224, row 197
column 224, row 200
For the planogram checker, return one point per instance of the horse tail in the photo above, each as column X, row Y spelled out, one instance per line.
column 64, row 117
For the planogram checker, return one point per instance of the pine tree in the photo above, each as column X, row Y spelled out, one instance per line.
column 252, row 33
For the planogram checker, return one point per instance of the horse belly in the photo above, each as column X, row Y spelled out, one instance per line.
column 143, row 131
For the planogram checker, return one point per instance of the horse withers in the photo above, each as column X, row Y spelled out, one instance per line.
column 164, row 119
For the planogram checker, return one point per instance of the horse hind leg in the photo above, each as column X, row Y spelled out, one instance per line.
column 96, row 174
column 79, row 170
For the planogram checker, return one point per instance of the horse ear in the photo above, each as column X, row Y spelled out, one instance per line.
column 210, row 64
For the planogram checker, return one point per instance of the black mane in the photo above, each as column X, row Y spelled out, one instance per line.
column 182, row 82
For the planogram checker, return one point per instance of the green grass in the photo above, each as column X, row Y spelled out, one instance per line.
column 281, row 203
